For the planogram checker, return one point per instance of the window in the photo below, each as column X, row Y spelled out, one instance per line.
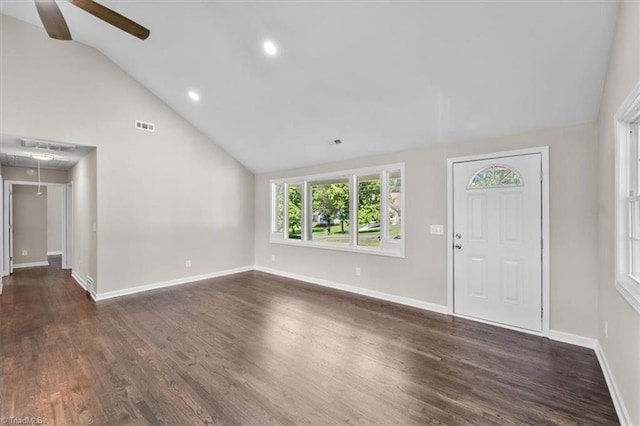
column 358, row 210
column 628, row 201
column 395, row 205
column 633, row 203
column 278, row 206
column 495, row 176
column 369, row 201
column 330, row 211
column 294, row 211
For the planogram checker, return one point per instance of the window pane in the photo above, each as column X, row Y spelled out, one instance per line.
column 634, row 239
column 494, row 176
column 295, row 211
column 634, row 219
column 635, row 259
column 279, row 209
column 395, row 204
column 634, row 168
column 330, row 212
column 369, row 210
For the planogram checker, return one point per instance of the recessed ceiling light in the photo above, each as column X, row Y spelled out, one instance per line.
column 194, row 96
column 270, row 47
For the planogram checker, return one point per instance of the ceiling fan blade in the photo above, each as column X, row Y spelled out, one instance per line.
column 112, row 17
column 52, row 19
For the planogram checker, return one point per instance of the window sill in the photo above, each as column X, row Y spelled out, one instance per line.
column 630, row 290
column 350, row 249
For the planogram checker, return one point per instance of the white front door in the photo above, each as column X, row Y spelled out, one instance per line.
column 497, row 240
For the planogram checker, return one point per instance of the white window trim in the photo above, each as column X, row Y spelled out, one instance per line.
column 387, row 248
column 628, row 114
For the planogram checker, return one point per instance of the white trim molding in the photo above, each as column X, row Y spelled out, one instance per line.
column 618, row 402
column 546, row 256
column 30, row 264
column 179, row 281
column 441, row 309
column 629, row 113
column 573, row 339
column 54, row 253
column 630, row 291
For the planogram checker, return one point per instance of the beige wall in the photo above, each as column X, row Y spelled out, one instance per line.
column 84, row 256
column 20, row 174
column 29, row 224
column 622, row 346
column 55, row 199
column 422, row 275
column 162, row 198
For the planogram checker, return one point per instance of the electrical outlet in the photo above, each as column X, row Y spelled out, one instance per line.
column 273, row 257
column 187, row 264
column 357, row 272
column 25, row 252
column 606, row 328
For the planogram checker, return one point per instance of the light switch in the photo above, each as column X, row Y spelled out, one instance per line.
column 437, row 229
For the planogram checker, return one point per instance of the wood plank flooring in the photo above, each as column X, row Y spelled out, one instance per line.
column 256, row 349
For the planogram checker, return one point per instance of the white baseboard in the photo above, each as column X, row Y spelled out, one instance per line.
column 573, row 339
column 163, row 284
column 358, row 290
column 54, row 253
column 30, row 265
column 618, row 402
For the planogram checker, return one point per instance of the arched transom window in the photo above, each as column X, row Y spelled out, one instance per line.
column 495, row 176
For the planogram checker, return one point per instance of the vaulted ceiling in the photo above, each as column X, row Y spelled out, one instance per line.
column 382, row 76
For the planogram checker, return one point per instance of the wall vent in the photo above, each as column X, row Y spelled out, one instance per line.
column 46, row 145
column 90, row 285
column 142, row 125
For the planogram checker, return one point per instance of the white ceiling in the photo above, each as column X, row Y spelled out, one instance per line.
column 382, row 76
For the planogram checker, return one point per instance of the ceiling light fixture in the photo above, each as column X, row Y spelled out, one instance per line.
column 42, row 157
column 270, row 47
column 194, row 96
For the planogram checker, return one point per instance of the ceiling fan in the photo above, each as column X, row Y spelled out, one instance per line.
column 57, row 28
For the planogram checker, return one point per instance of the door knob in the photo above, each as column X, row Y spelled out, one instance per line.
column 458, row 236
column 458, row 246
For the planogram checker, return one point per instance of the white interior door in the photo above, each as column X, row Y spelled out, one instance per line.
column 497, row 252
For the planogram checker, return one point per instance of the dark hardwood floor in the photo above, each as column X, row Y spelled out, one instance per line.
column 257, row 349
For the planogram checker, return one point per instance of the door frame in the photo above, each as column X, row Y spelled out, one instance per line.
column 67, row 226
column 544, row 155
column 67, row 242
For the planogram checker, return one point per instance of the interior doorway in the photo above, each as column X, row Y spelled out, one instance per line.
column 41, row 166
column 498, row 218
column 36, row 224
